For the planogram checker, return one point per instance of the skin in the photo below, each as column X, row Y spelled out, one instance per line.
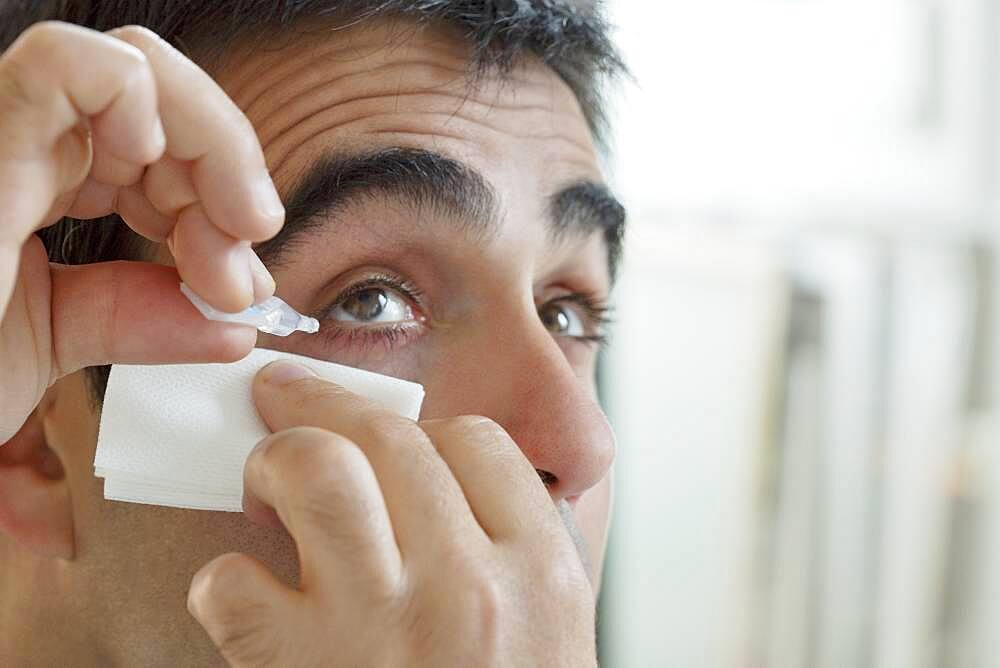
column 482, row 350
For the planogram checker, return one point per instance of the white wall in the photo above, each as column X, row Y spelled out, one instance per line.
column 783, row 107
column 758, row 129
column 679, row 581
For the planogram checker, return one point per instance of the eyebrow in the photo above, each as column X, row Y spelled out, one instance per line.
column 430, row 181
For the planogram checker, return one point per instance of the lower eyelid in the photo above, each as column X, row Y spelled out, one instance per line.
column 368, row 338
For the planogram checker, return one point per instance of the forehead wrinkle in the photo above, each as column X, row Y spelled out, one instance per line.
column 280, row 151
column 423, row 113
column 451, row 123
column 257, row 78
column 250, row 72
column 334, row 89
column 319, row 80
column 303, row 106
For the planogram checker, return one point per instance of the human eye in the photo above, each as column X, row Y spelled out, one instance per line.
column 379, row 309
column 372, row 304
column 577, row 316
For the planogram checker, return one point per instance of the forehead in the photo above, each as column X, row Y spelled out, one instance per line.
column 392, row 84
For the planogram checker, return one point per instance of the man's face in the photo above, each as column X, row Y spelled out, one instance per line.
column 457, row 247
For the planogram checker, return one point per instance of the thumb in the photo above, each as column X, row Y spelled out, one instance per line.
column 133, row 313
column 245, row 610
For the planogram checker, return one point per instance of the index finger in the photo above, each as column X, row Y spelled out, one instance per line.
column 205, row 127
column 415, row 482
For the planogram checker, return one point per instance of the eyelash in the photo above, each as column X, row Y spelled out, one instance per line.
column 366, row 337
column 595, row 310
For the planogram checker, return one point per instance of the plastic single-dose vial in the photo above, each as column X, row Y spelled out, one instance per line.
column 271, row 316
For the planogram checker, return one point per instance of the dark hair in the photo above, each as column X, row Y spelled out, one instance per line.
column 570, row 36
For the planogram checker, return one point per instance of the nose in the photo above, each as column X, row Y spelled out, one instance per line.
column 555, row 419
column 520, row 378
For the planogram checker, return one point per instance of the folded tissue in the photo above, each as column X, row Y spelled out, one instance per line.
column 178, row 435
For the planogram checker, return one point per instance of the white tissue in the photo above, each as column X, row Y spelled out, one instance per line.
column 178, row 435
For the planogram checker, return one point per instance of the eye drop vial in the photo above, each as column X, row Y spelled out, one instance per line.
column 271, row 316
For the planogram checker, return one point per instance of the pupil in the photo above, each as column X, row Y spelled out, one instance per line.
column 555, row 319
column 367, row 304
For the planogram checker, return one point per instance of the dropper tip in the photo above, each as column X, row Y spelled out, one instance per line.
column 308, row 325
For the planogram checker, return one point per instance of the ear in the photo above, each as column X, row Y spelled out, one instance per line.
column 35, row 507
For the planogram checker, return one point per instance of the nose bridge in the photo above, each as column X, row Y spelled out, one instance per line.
column 525, row 383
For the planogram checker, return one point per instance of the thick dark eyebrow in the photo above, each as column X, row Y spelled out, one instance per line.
column 587, row 207
column 421, row 178
column 429, row 181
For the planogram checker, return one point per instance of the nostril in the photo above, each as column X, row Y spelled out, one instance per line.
column 548, row 479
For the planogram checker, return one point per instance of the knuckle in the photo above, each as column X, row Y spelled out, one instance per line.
column 565, row 581
column 137, row 68
column 136, row 42
column 136, row 35
column 22, row 69
column 212, row 586
column 389, row 429
column 214, row 596
column 304, row 452
column 240, row 626
column 483, row 609
column 481, row 427
column 486, row 434
column 309, row 460
column 313, row 465
column 43, row 36
column 475, row 606
column 487, row 600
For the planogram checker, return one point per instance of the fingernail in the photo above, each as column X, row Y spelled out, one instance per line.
column 268, row 201
column 283, row 372
column 263, row 282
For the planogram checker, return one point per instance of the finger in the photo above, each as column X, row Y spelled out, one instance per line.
column 51, row 78
column 212, row 263
column 93, row 200
column 74, row 156
column 205, row 127
column 244, row 609
column 106, row 168
column 500, row 484
column 167, row 185
column 133, row 313
column 416, row 484
column 325, row 493
column 263, row 283
column 141, row 215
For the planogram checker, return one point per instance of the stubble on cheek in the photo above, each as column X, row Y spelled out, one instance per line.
column 569, row 521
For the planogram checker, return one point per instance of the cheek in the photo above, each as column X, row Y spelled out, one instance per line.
column 592, row 513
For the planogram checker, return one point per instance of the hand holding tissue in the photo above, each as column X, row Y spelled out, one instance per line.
column 178, row 435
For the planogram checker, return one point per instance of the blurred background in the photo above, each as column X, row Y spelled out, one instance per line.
column 804, row 374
